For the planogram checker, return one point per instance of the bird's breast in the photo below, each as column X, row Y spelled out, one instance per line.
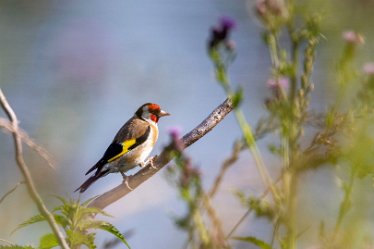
column 139, row 154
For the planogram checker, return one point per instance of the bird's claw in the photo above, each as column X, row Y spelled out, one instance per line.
column 151, row 160
column 126, row 181
column 124, row 176
column 128, row 185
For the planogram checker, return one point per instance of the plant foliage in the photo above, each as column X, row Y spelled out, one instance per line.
column 78, row 224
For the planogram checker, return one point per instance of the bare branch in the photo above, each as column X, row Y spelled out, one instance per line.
column 218, row 236
column 43, row 153
column 11, row 191
column 249, row 211
column 26, row 173
column 160, row 161
column 6, row 242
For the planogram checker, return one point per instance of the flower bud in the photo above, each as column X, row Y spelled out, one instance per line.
column 353, row 37
column 368, row 69
column 278, row 85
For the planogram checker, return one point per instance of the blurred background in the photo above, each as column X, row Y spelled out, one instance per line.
column 75, row 71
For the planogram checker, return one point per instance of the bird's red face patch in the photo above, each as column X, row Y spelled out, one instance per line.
column 154, row 108
column 154, row 118
column 154, row 111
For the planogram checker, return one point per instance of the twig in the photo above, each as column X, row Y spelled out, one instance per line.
column 28, row 141
column 11, row 191
column 264, row 127
column 238, row 146
column 345, row 204
column 159, row 162
column 218, row 236
column 26, row 173
column 249, row 211
column 6, row 242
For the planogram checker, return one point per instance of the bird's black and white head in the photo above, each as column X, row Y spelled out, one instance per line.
column 150, row 112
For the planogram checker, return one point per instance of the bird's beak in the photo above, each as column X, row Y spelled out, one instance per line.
column 163, row 113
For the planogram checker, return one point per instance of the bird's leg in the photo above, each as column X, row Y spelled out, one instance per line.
column 126, row 180
column 124, row 176
column 150, row 161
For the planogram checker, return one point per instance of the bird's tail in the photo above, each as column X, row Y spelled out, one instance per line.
column 90, row 181
column 99, row 165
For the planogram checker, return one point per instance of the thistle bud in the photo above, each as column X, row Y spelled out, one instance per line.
column 368, row 69
column 269, row 10
column 353, row 37
column 177, row 144
column 278, row 85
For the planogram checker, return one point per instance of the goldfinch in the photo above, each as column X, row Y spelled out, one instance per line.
column 131, row 146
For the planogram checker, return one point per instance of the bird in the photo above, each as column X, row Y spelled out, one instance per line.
column 131, row 145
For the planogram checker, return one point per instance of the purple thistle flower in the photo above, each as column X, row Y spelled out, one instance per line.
column 227, row 23
column 220, row 33
column 175, row 134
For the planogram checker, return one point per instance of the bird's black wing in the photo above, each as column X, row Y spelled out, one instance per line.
column 113, row 150
column 116, row 150
column 141, row 139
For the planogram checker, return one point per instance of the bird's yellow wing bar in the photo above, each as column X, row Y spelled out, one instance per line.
column 125, row 148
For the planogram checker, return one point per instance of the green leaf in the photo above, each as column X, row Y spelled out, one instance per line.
column 77, row 238
column 89, row 223
column 90, row 242
column 61, row 220
column 237, row 98
column 214, row 55
column 313, row 25
column 185, row 194
column 61, row 199
column 88, row 202
column 183, row 222
column 35, row 219
column 221, row 76
column 242, row 198
column 106, row 226
column 255, row 241
column 93, row 210
column 48, row 241
column 67, row 210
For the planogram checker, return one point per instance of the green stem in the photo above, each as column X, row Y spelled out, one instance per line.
column 251, row 143
column 346, row 203
column 200, row 227
column 289, row 140
column 221, row 75
column 295, row 65
column 290, row 178
column 273, row 48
